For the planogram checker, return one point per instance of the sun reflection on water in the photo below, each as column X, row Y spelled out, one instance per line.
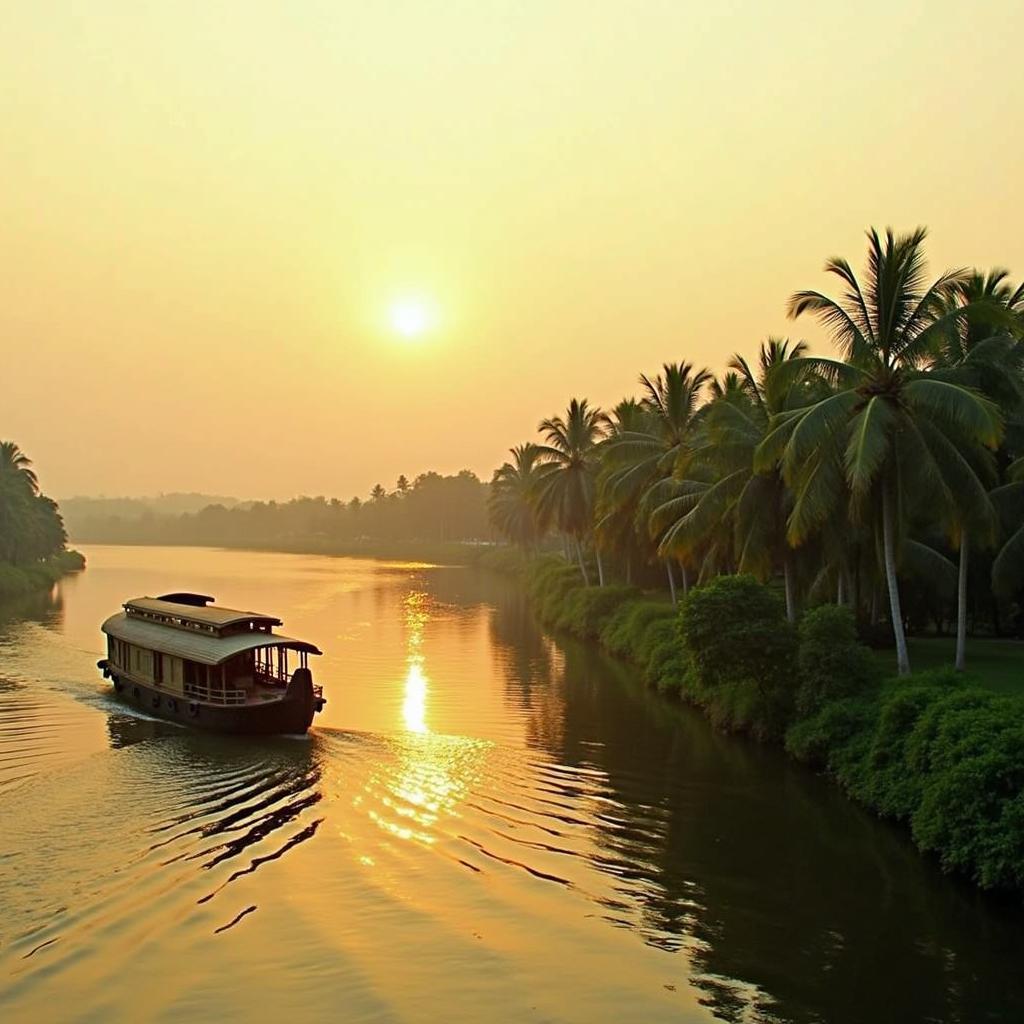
column 430, row 774
column 414, row 706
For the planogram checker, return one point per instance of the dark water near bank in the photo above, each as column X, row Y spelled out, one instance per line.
column 485, row 824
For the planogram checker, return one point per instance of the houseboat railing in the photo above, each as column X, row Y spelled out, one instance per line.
column 215, row 695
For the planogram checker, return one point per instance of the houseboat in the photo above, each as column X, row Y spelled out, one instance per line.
column 184, row 658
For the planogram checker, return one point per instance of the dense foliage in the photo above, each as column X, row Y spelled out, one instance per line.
column 889, row 481
column 833, row 665
column 32, row 537
column 31, row 528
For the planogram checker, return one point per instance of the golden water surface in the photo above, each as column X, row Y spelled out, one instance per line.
column 485, row 824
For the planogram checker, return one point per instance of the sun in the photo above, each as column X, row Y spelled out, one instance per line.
column 410, row 318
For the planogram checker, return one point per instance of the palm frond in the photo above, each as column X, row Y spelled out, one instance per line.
column 957, row 406
column 870, row 443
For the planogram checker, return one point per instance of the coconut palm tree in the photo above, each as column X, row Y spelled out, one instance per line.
column 981, row 349
column 30, row 525
column 883, row 435
column 654, row 446
column 16, row 468
column 568, row 468
column 1008, row 567
column 511, row 502
column 618, row 526
column 753, row 506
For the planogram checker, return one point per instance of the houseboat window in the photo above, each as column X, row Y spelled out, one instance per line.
column 171, row 670
column 142, row 662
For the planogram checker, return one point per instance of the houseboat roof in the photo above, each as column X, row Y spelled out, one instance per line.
column 171, row 610
column 204, row 648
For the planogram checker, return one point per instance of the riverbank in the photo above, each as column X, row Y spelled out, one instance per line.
column 935, row 752
column 19, row 580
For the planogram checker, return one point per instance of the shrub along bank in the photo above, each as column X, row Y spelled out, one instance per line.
column 932, row 751
column 17, row 580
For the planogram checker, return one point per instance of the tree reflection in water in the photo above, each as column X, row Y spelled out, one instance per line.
column 789, row 902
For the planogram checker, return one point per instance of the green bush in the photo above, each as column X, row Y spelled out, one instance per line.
column 971, row 812
column 833, row 664
column 661, row 657
column 743, row 654
column 882, row 777
column 836, row 736
column 623, row 633
column 735, row 628
column 549, row 586
column 589, row 608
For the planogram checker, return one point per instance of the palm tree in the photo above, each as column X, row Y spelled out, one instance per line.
column 730, row 494
column 981, row 350
column 566, row 484
column 512, row 499
column 883, row 435
column 618, row 526
column 1008, row 567
column 30, row 524
column 655, row 445
column 16, row 468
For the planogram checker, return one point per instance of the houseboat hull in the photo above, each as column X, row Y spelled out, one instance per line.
column 292, row 714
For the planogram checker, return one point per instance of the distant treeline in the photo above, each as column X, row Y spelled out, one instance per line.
column 78, row 509
column 430, row 508
column 32, row 537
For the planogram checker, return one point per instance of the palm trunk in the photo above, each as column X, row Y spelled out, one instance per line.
column 671, row 582
column 961, row 607
column 790, row 600
column 629, row 570
column 895, row 612
column 583, row 565
column 600, row 567
column 840, row 589
column 686, row 579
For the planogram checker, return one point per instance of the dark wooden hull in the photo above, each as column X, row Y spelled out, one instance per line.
column 292, row 714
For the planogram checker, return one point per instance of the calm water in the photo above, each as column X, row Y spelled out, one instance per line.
column 486, row 824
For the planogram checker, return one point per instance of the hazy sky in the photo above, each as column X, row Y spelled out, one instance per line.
column 209, row 211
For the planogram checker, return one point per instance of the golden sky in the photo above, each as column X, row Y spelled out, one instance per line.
column 210, row 212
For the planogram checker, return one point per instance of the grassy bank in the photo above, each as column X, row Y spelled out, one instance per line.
column 936, row 752
column 17, row 580
column 994, row 663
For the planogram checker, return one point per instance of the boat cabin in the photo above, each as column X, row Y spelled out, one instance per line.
column 183, row 645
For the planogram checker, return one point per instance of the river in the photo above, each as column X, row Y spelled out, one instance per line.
column 487, row 823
